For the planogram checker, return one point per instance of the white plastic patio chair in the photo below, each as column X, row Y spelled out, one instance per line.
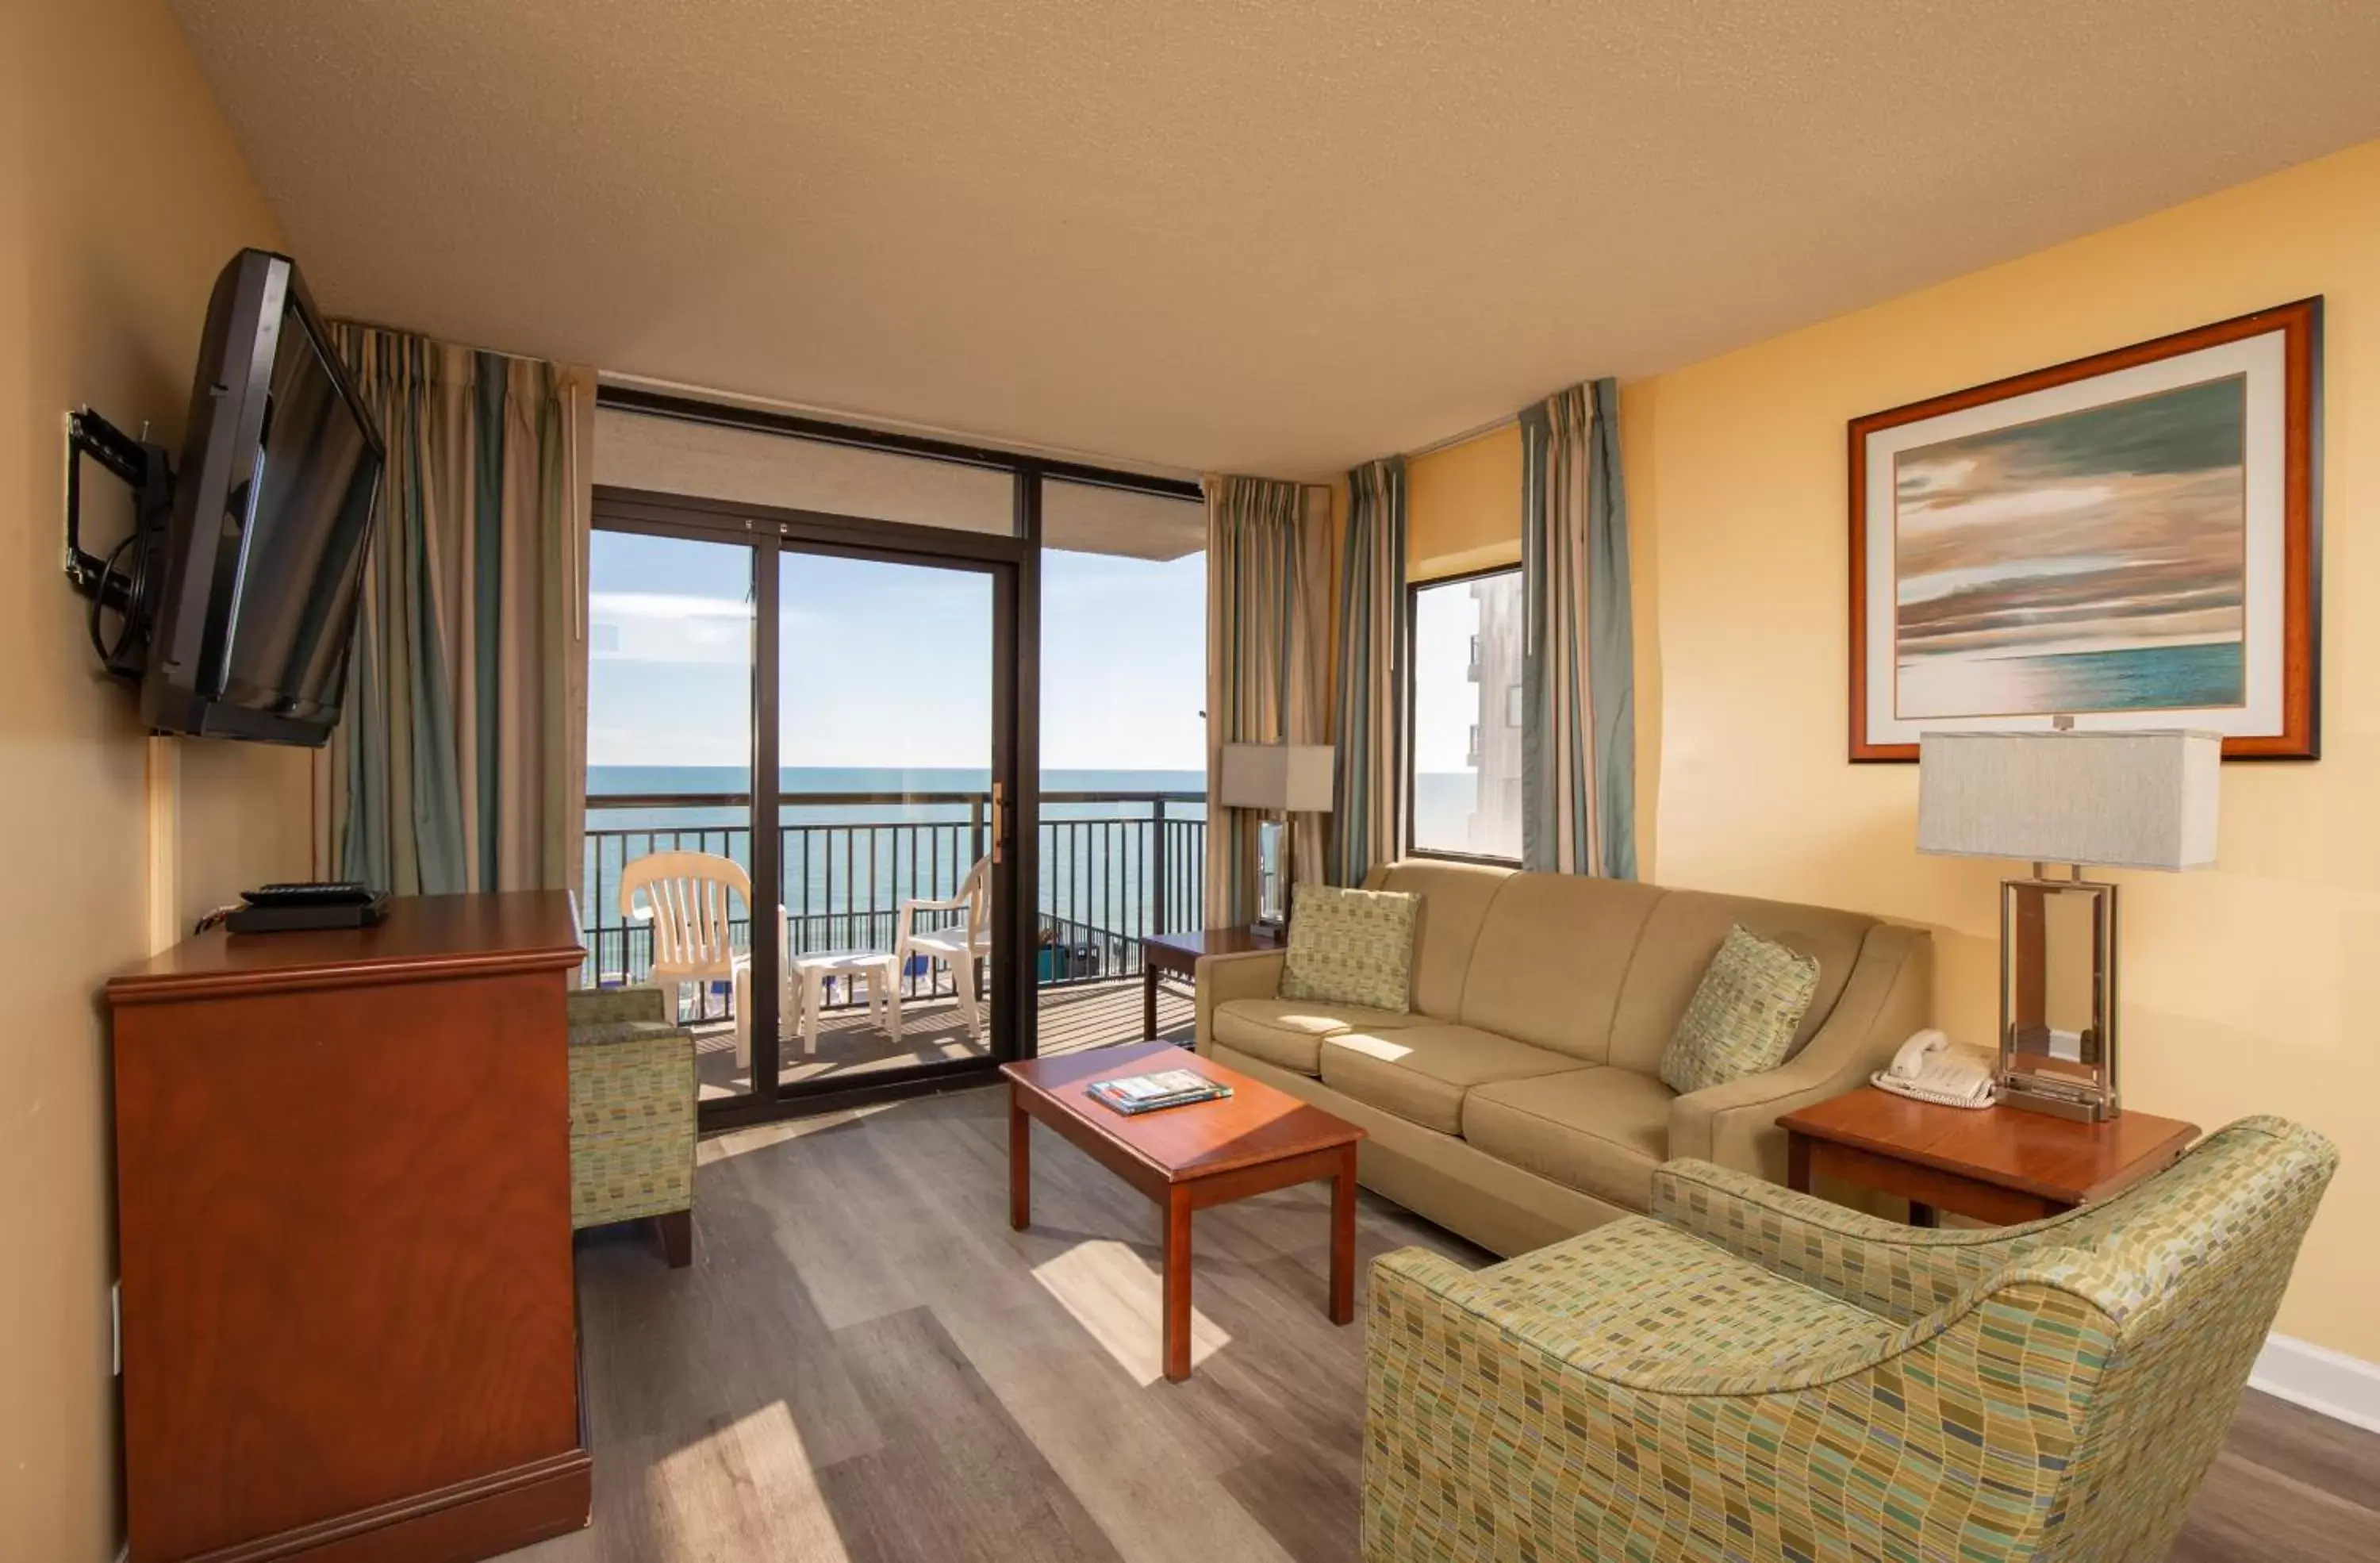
column 687, row 903
column 958, row 946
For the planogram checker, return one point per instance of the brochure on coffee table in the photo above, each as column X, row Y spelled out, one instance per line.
column 1146, row 1093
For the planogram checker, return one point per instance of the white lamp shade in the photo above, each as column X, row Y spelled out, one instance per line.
column 2122, row 800
column 1290, row 778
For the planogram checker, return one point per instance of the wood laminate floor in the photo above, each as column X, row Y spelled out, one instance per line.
column 865, row 1363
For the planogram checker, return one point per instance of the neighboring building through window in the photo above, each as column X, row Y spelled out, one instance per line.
column 1465, row 758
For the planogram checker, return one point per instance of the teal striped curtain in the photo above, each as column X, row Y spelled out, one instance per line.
column 1267, row 572
column 1371, row 658
column 460, row 764
column 1578, row 778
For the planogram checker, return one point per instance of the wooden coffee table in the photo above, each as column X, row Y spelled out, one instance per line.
column 1185, row 1158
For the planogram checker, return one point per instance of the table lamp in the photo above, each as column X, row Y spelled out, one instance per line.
column 1282, row 779
column 2124, row 800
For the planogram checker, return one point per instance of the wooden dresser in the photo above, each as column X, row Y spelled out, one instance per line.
column 343, row 1195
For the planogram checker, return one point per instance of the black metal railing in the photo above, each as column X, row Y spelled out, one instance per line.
column 1115, row 866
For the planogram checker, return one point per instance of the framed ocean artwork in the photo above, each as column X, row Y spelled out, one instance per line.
column 2127, row 540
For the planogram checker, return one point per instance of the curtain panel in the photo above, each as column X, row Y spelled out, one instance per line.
column 1371, row 662
column 1578, row 778
column 1268, row 664
column 461, row 762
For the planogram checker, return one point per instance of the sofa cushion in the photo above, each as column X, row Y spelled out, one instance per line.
column 1289, row 1032
column 1686, row 929
column 1351, row 947
column 1422, row 1073
column 1642, row 1301
column 1553, row 952
column 1743, row 1014
column 1599, row 1130
column 1454, row 900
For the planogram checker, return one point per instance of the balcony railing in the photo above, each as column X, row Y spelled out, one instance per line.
column 1114, row 868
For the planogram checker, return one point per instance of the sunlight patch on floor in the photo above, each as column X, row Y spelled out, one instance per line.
column 743, row 1142
column 1118, row 1296
column 761, row 1453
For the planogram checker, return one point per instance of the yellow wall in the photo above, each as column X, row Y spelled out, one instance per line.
column 124, row 195
column 2254, row 988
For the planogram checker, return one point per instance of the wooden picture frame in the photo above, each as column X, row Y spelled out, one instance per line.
column 2134, row 536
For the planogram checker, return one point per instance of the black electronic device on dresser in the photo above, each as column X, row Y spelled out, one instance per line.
column 287, row 908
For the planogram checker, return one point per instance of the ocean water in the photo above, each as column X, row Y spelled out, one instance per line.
column 795, row 780
column 848, row 866
column 1442, row 803
column 2145, row 678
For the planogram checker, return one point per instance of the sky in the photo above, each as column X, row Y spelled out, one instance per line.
column 1445, row 700
column 887, row 665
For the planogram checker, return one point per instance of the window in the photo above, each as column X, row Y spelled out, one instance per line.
column 1464, row 760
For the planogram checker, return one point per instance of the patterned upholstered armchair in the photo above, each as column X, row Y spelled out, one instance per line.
column 632, row 1114
column 1749, row 1373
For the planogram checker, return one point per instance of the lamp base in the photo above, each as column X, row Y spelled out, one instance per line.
column 2076, row 1104
column 2058, row 968
column 1275, row 863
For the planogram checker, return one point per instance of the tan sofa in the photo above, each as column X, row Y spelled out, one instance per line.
column 1521, row 1100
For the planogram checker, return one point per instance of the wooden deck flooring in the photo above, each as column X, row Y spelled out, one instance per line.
column 865, row 1364
column 1090, row 1015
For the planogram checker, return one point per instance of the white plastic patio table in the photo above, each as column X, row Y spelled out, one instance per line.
column 878, row 970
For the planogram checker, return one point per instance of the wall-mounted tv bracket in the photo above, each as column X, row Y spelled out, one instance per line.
column 119, row 579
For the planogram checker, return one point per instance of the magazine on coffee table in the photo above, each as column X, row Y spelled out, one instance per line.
column 1146, row 1093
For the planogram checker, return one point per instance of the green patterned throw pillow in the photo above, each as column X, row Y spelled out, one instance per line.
column 1742, row 1018
column 1351, row 947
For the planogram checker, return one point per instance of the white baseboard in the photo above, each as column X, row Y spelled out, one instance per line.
column 2319, row 1380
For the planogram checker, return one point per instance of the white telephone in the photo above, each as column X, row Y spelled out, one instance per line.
column 1929, row 1069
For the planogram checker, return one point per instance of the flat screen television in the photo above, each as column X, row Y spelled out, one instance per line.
column 263, row 560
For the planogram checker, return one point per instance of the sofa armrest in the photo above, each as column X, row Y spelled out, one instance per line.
column 1899, row 1272
column 607, row 1006
column 1255, row 973
column 1889, row 995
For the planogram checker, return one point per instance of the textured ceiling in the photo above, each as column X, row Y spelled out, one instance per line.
column 1250, row 234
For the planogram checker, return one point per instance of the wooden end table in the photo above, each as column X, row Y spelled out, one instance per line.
column 1179, row 952
column 1998, row 1164
column 1185, row 1158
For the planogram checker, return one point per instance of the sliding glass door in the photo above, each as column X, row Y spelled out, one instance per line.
column 816, row 655
column 673, row 682
column 821, row 714
column 892, row 812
